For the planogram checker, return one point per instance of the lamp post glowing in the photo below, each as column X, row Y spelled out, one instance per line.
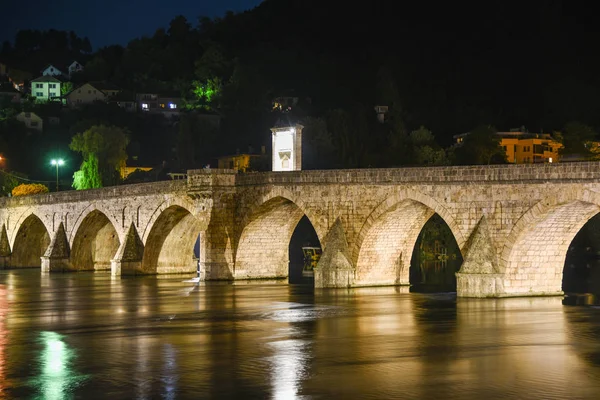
column 57, row 163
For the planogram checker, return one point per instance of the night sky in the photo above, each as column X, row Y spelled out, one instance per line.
column 109, row 21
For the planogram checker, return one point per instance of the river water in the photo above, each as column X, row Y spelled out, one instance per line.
column 93, row 336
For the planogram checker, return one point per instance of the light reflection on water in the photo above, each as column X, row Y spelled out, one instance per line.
column 92, row 336
column 57, row 379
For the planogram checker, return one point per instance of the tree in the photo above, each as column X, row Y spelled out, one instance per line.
column 204, row 95
column 196, row 140
column 26, row 189
column 318, row 151
column 480, row 146
column 104, row 153
column 577, row 139
column 88, row 177
column 426, row 150
column 66, row 88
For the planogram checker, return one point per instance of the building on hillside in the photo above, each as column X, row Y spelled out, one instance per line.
column 46, row 88
column 9, row 94
column 91, row 92
column 128, row 170
column 125, row 100
column 284, row 103
column 522, row 147
column 19, row 78
column 51, row 70
column 31, row 120
column 74, row 67
column 147, row 102
column 168, row 105
column 238, row 162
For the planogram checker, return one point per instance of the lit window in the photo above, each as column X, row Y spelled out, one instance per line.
column 172, row 106
column 162, row 105
column 144, row 106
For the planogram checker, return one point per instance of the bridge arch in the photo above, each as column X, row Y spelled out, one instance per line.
column 95, row 242
column 169, row 240
column 534, row 253
column 385, row 243
column 93, row 208
column 265, row 235
column 30, row 241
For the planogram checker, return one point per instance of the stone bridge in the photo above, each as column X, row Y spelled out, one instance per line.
column 513, row 224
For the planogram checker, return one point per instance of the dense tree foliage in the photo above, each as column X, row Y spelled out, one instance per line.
column 433, row 74
column 26, row 189
column 104, row 153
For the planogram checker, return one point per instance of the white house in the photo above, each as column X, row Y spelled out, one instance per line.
column 74, row 67
column 45, row 88
column 51, row 70
column 31, row 120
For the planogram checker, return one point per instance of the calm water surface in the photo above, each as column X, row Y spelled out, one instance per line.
column 92, row 336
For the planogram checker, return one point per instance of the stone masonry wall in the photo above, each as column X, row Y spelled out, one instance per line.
column 532, row 212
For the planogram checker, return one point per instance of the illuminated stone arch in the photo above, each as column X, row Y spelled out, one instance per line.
column 30, row 240
column 16, row 225
column 169, row 239
column 92, row 208
column 95, row 241
column 534, row 252
column 171, row 201
column 284, row 193
column 266, row 231
column 385, row 243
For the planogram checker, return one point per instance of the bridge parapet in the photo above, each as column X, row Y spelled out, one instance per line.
column 200, row 178
column 72, row 196
column 511, row 173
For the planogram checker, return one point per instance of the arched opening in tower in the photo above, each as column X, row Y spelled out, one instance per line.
column 30, row 244
column 170, row 244
column 435, row 259
column 271, row 244
column 581, row 272
column 96, row 243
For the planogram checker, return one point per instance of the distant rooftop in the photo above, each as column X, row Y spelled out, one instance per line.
column 46, row 79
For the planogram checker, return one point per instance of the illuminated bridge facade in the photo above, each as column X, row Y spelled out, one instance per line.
column 512, row 223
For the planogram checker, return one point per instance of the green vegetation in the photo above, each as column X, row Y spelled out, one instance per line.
column 234, row 67
column 104, row 153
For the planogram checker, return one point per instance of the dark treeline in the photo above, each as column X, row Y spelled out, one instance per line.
column 441, row 70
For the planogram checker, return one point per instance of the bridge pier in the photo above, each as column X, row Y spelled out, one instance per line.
column 4, row 249
column 128, row 260
column 335, row 269
column 57, row 256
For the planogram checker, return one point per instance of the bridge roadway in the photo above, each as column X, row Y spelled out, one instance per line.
column 513, row 224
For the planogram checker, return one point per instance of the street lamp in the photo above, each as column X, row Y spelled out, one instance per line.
column 57, row 163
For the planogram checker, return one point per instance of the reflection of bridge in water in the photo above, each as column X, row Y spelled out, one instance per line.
column 513, row 224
